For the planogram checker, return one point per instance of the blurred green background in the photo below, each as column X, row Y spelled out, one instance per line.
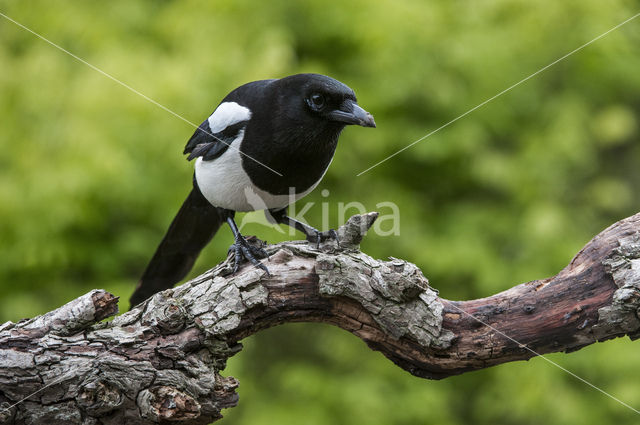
column 92, row 174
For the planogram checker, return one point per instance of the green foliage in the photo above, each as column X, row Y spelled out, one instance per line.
column 91, row 174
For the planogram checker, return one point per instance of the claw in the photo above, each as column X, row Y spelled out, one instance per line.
column 334, row 235
column 242, row 249
column 319, row 236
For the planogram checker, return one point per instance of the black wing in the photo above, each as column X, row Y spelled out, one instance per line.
column 210, row 145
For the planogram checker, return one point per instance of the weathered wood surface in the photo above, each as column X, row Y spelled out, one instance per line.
column 162, row 360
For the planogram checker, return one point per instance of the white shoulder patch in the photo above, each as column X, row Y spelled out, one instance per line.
column 228, row 113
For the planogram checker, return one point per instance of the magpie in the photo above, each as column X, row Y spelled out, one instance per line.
column 266, row 145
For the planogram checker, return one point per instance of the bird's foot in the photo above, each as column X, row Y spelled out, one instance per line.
column 318, row 236
column 242, row 248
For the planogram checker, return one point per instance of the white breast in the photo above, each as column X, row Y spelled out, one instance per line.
column 224, row 183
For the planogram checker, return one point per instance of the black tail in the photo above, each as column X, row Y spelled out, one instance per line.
column 191, row 229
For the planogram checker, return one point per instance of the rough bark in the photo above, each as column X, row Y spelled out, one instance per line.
column 161, row 361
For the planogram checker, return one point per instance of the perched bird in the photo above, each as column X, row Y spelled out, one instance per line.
column 270, row 140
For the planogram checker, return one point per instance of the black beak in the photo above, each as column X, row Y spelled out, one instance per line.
column 350, row 113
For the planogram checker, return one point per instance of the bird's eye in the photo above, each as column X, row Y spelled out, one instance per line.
column 316, row 101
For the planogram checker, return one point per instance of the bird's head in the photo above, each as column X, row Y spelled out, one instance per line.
column 322, row 99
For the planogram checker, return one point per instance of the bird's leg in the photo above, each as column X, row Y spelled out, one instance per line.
column 242, row 248
column 311, row 233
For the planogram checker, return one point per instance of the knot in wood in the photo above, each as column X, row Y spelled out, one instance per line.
column 167, row 319
column 164, row 403
column 99, row 397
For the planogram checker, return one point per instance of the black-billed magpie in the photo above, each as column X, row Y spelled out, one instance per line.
column 267, row 144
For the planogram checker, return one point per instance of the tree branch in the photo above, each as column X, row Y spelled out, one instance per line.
column 161, row 361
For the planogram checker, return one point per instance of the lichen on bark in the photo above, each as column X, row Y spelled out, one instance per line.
column 395, row 293
column 623, row 265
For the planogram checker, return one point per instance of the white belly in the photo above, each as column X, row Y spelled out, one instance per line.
column 224, row 184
